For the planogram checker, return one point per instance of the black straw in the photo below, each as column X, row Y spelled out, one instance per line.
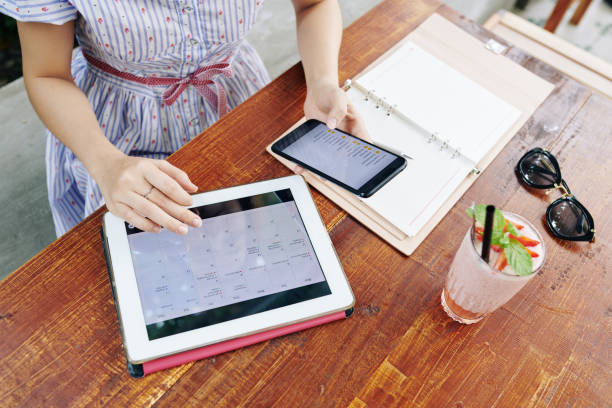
column 488, row 229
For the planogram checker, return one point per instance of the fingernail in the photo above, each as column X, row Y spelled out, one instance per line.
column 193, row 186
column 196, row 222
column 156, row 229
column 331, row 123
column 182, row 229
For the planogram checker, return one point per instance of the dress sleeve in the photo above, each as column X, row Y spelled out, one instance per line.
column 41, row 11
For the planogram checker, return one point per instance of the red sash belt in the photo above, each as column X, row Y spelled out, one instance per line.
column 201, row 80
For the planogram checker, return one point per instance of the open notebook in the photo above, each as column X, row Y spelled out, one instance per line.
column 417, row 104
column 449, row 102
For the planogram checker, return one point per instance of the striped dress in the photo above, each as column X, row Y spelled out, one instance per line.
column 129, row 51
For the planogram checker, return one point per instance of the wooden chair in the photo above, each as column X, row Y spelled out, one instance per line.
column 559, row 11
column 573, row 61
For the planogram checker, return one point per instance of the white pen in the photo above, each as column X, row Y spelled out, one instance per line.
column 392, row 150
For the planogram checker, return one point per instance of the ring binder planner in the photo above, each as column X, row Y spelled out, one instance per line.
column 370, row 94
column 450, row 102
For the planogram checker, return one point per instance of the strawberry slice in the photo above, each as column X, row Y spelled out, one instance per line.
column 501, row 262
column 528, row 242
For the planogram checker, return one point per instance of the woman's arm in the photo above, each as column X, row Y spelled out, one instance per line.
column 67, row 113
column 319, row 32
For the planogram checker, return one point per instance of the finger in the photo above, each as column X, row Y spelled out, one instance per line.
column 170, row 207
column 335, row 116
column 167, row 185
column 155, row 214
column 136, row 220
column 177, row 174
column 354, row 124
column 357, row 127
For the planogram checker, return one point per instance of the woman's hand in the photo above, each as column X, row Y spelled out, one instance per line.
column 149, row 194
column 328, row 103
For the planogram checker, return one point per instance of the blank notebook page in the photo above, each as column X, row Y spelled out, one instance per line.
column 441, row 100
column 429, row 97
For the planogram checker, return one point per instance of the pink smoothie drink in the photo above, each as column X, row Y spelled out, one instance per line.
column 474, row 288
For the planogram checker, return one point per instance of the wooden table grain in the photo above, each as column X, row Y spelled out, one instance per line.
column 549, row 346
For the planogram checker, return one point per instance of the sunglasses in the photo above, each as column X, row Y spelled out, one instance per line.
column 566, row 217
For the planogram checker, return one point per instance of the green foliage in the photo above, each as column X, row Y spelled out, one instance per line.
column 8, row 29
column 518, row 258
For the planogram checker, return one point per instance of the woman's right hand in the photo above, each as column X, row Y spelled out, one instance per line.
column 148, row 194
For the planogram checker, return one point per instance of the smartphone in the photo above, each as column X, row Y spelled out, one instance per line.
column 352, row 163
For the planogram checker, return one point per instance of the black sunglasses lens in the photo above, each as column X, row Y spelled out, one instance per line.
column 568, row 219
column 539, row 171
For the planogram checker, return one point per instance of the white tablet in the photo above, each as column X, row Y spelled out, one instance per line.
column 262, row 259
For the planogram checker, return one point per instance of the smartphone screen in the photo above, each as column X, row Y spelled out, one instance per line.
column 342, row 158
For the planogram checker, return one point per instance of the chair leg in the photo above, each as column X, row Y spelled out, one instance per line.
column 580, row 10
column 557, row 15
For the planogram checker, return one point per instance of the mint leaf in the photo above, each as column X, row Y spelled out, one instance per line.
column 518, row 258
column 498, row 221
column 512, row 229
column 504, row 241
column 480, row 212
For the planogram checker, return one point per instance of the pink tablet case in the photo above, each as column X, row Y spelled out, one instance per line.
column 229, row 345
column 140, row 370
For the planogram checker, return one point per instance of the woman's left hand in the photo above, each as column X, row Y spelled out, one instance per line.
column 328, row 103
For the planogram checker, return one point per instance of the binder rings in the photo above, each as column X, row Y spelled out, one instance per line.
column 448, row 101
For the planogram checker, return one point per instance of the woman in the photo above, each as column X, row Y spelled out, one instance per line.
column 147, row 78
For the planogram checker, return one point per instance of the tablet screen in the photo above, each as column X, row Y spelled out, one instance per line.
column 250, row 255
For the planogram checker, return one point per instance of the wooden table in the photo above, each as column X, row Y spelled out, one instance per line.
column 549, row 346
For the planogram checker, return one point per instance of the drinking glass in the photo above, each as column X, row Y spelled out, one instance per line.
column 473, row 288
